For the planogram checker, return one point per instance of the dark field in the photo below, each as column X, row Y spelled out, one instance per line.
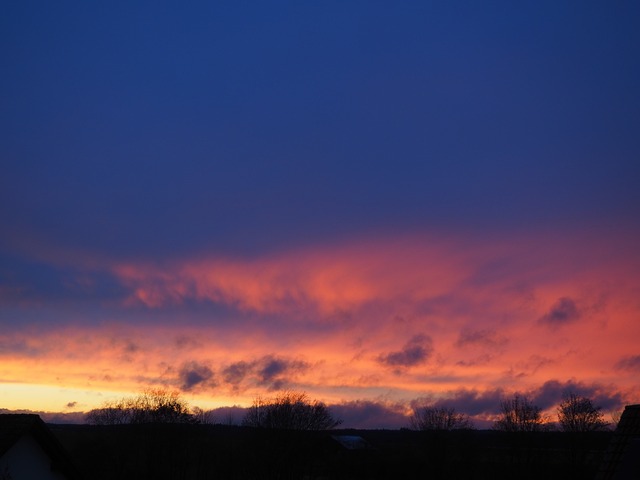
column 166, row 451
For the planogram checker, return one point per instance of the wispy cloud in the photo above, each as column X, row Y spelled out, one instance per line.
column 629, row 362
column 484, row 337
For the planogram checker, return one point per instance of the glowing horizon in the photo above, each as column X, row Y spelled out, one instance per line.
column 393, row 320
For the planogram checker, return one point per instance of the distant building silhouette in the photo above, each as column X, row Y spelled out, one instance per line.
column 352, row 442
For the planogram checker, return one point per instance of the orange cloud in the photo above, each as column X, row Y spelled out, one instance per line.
column 328, row 281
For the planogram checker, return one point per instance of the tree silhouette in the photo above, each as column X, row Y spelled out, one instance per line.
column 615, row 417
column 518, row 414
column 151, row 406
column 290, row 411
column 439, row 418
column 578, row 414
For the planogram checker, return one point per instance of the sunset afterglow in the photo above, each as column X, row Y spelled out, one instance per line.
column 377, row 207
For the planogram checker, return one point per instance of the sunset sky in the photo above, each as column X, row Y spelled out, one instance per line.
column 378, row 203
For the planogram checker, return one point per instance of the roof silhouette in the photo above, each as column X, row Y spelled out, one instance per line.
column 14, row 426
column 622, row 458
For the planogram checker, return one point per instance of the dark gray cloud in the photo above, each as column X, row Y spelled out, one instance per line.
column 552, row 392
column 71, row 404
column 274, row 372
column 236, row 372
column 485, row 337
column 272, row 368
column 471, row 402
column 630, row 362
column 562, row 312
column 194, row 374
column 547, row 395
column 369, row 414
column 415, row 351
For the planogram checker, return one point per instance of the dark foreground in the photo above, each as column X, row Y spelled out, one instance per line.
column 181, row 452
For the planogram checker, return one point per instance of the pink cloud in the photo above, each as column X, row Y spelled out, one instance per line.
column 325, row 280
column 400, row 318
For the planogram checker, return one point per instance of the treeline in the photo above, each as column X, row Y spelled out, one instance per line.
column 296, row 411
column 287, row 411
column 576, row 413
column 156, row 435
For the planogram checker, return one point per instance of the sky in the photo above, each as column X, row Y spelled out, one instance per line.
column 382, row 204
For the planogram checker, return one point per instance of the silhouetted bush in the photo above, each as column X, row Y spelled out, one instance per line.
column 290, row 411
column 151, row 406
column 439, row 418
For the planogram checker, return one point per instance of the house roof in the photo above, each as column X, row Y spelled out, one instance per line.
column 622, row 459
column 14, row 426
column 352, row 442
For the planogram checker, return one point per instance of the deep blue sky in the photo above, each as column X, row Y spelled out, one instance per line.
column 156, row 127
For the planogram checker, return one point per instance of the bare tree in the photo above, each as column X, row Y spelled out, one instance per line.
column 439, row 418
column 151, row 406
column 111, row 413
column 578, row 414
column 205, row 417
column 518, row 414
column 290, row 411
column 615, row 416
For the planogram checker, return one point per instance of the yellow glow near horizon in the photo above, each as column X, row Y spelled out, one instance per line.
column 50, row 398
